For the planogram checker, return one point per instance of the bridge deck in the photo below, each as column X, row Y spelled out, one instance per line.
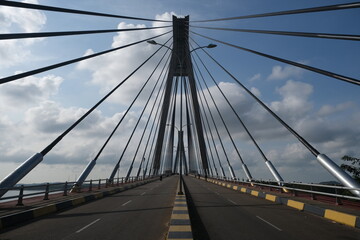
column 222, row 213
column 140, row 213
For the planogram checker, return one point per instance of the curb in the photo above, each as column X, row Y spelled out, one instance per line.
column 339, row 217
column 13, row 219
column 180, row 225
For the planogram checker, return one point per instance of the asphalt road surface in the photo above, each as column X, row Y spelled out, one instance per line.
column 140, row 213
column 222, row 213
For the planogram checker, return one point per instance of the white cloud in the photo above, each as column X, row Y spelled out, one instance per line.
column 255, row 77
column 295, row 100
column 38, row 118
column 255, row 91
column 108, row 70
column 29, row 90
column 328, row 109
column 330, row 134
column 12, row 19
column 21, row 18
column 31, row 120
column 280, row 73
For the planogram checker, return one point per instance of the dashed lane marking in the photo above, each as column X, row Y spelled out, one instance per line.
column 269, row 223
column 82, row 229
column 126, row 203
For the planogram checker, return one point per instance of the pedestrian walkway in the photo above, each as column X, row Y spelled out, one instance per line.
column 11, row 214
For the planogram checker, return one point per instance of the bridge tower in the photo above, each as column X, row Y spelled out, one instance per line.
column 180, row 69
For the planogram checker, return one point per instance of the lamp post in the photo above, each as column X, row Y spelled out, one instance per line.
column 153, row 42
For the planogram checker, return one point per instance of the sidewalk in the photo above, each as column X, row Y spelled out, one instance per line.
column 35, row 207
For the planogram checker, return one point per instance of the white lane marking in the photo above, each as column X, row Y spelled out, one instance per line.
column 142, row 194
column 126, row 203
column 80, row 230
column 216, row 193
column 269, row 223
column 231, row 201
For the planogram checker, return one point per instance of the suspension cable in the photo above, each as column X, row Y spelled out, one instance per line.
column 232, row 173
column 152, row 127
column 301, row 139
column 47, row 68
column 214, row 123
column 233, row 109
column 313, row 69
column 217, row 109
column 204, row 115
column 152, row 148
column 190, row 142
column 151, row 111
column 289, row 12
column 187, row 87
column 67, row 10
column 287, row 33
column 58, row 139
column 157, row 115
column 189, row 114
column 173, row 116
column 125, row 114
column 171, row 132
column 8, row 36
column 137, row 123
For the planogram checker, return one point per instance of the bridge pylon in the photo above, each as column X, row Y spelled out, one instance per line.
column 180, row 68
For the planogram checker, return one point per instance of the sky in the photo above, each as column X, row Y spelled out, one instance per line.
column 36, row 109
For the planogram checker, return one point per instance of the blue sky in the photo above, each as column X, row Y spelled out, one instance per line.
column 35, row 110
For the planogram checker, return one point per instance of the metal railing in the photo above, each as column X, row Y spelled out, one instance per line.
column 46, row 189
column 313, row 190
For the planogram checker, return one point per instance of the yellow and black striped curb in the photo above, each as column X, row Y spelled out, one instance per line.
column 180, row 225
column 340, row 217
column 13, row 219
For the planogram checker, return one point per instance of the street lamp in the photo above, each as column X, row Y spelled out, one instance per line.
column 153, row 42
column 208, row 46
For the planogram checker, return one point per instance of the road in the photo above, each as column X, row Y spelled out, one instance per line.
column 223, row 213
column 140, row 213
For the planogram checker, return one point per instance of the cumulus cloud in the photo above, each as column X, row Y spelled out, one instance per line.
column 45, row 122
column 329, row 128
column 29, row 90
column 295, row 100
column 110, row 69
column 255, row 91
column 281, row 73
column 12, row 19
column 38, row 118
column 31, row 120
column 328, row 109
column 255, row 77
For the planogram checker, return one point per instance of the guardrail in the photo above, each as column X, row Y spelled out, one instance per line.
column 295, row 188
column 47, row 189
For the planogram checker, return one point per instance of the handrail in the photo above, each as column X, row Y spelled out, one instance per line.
column 294, row 189
column 47, row 188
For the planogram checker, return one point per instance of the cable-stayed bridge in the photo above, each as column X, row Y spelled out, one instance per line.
column 190, row 133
